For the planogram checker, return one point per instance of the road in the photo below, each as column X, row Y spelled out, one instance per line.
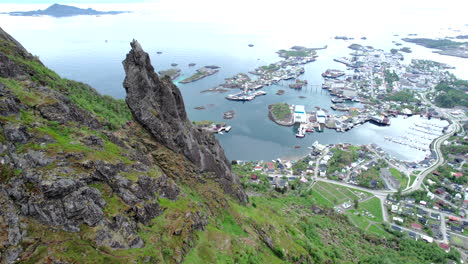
column 382, row 194
column 440, row 159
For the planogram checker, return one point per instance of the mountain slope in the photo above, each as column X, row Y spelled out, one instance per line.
column 84, row 181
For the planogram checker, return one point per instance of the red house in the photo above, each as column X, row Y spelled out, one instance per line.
column 270, row 166
column 444, row 246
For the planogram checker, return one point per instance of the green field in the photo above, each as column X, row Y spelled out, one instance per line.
column 373, row 206
column 328, row 194
column 412, row 179
column 331, row 194
column 364, row 221
column 402, row 178
column 281, row 111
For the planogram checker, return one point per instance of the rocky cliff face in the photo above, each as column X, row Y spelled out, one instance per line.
column 157, row 104
column 62, row 170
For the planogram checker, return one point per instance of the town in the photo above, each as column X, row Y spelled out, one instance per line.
column 427, row 199
column 381, row 85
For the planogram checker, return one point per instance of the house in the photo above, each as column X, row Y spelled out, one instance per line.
column 430, row 195
column 422, row 212
column 270, row 166
column 456, row 228
column 440, row 190
column 444, row 246
column 413, row 235
column 416, row 226
column 435, row 216
column 436, row 173
column 396, row 228
column 408, row 212
column 423, row 203
column 422, row 220
column 428, row 239
column 457, row 175
column 430, row 182
column 398, row 219
column 253, row 177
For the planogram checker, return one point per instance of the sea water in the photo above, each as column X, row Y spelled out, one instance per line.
column 91, row 48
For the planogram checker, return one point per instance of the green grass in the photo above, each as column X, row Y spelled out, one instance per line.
column 402, row 178
column 334, row 194
column 230, row 226
column 271, row 67
column 374, row 207
column 458, row 241
column 280, row 111
column 358, row 219
column 28, row 97
column 412, row 179
column 112, row 112
column 378, row 230
column 67, row 140
column 114, row 204
column 320, row 200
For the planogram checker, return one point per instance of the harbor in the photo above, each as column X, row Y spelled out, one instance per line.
column 251, row 126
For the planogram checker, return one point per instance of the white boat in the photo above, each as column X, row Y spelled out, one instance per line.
column 219, row 132
column 300, row 133
column 241, row 97
column 227, row 128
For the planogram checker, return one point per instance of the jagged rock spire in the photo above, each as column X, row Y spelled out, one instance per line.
column 157, row 104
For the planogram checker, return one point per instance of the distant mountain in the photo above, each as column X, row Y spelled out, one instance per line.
column 57, row 10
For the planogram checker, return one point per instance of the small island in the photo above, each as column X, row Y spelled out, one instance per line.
column 172, row 73
column 444, row 46
column 406, row 50
column 201, row 73
column 57, row 10
column 281, row 114
column 297, row 51
column 280, row 92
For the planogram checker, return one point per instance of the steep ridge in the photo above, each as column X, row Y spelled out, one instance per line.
column 157, row 104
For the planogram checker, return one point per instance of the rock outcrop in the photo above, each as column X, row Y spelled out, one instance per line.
column 157, row 104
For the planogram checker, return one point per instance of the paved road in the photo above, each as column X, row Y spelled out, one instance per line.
column 440, row 160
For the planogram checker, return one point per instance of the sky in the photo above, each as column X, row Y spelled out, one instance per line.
column 272, row 14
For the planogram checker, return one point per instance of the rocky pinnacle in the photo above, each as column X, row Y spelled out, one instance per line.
column 157, row 104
